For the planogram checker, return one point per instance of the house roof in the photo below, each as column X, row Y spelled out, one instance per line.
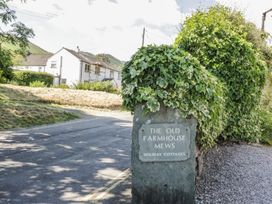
column 91, row 59
column 36, row 60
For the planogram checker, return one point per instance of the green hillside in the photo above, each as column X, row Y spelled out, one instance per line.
column 113, row 61
column 33, row 49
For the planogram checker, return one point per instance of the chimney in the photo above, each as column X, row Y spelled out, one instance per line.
column 78, row 50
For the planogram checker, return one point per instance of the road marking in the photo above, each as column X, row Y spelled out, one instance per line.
column 100, row 193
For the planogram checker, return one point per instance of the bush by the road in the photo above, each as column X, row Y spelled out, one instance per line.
column 27, row 77
column 61, row 86
column 266, row 112
column 37, row 84
column 266, row 124
column 106, row 86
column 2, row 79
column 223, row 48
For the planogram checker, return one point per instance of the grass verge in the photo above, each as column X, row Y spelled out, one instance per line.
column 19, row 108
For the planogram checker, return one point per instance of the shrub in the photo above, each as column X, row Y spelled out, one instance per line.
column 266, row 112
column 266, row 127
column 6, row 64
column 222, row 47
column 13, row 82
column 266, row 101
column 106, row 86
column 37, row 84
column 61, row 86
column 83, row 86
column 2, row 79
column 171, row 77
column 26, row 77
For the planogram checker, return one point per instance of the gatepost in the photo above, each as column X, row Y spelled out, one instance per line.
column 163, row 157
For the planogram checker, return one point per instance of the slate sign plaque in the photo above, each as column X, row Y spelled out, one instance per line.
column 164, row 142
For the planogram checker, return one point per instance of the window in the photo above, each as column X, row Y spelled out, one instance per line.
column 87, row 68
column 119, row 75
column 40, row 69
column 53, row 64
column 97, row 70
column 111, row 74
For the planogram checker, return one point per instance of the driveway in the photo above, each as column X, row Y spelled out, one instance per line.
column 82, row 161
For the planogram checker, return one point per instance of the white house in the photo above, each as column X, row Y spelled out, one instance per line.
column 34, row 62
column 71, row 67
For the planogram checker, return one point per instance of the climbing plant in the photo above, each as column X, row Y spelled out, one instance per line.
column 171, row 77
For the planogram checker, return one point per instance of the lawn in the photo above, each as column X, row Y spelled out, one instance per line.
column 19, row 108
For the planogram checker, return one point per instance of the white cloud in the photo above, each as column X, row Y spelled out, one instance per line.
column 102, row 26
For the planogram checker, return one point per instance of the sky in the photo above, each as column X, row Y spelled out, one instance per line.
column 116, row 26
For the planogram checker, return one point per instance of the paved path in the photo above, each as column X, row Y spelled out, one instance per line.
column 78, row 161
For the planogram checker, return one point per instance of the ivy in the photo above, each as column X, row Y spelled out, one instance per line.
column 171, row 77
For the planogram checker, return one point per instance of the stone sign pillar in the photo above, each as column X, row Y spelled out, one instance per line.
column 163, row 157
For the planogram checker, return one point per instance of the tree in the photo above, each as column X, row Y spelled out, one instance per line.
column 247, row 30
column 11, row 32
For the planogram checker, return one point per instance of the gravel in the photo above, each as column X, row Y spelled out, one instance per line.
column 236, row 174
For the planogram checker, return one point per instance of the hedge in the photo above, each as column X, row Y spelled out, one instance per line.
column 223, row 49
column 27, row 77
column 106, row 86
column 172, row 77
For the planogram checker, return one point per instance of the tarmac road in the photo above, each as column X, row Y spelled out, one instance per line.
column 88, row 161
column 74, row 162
